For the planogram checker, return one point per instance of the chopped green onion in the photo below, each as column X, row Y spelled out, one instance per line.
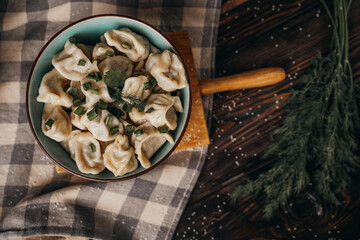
column 127, row 107
column 92, row 114
column 76, row 102
column 95, row 91
column 79, row 111
column 109, row 53
column 138, row 132
column 92, row 147
column 108, row 119
column 163, row 129
column 130, row 128
column 72, row 40
column 87, row 86
column 81, row 62
column 114, row 130
column 124, row 45
column 49, row 122
column 152, row 82
column 150, row 110
column 101, row 105
column 73, row 91
column 146, row 85
column 94, row 75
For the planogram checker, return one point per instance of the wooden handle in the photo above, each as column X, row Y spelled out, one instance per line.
column 252, row 79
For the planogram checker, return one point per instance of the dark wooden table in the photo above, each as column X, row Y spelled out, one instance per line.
column 255, row 34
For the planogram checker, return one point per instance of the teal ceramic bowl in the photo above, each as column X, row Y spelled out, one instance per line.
column 88, row 31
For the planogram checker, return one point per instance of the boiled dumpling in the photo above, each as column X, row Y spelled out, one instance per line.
column 86, row 152
column 120, row 63
column 161, row 110
column 87, row 50
column 91, row 97
column 135, row 87
column 76, row 120
column 137, row 117
column 102, row 51
column 99, row 129
column 149, row 142
column 72, row 63
column 65, row 143
column 135, row 47
column 119, row 157
column 56, row 123
column 168, row 70
column 52, row 89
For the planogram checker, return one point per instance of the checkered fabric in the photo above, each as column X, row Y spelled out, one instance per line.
column 34, row 198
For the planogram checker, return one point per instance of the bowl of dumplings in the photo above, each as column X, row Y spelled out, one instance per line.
column 108, row 98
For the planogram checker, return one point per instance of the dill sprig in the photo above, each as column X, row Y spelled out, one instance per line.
column 317, row 143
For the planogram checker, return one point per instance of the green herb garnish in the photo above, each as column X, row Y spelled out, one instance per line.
column 124, row 45
column 163, row 129
column 130, row 128
column 150, row 110
column 49, row 122
column 114, row 130
column 146, row 85
column 152, row 82
column 317, row 142
column 127, row 107
column 116, row 112
column 72, row 40
column 81, row 62
column 87, row 86
column 109, row 119
column 92, row 114
column 92, row 147
column 95, row 91
column 109, row 53
column 138, row 132
column 76, row 102
column 94, row 75
column 101, row 105
column 73, row 91
column 115, row 79
column 79, row 111
column 136, row 102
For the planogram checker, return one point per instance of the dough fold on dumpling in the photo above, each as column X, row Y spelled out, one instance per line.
column 119, row 157
column 98, row 128
column 71, row 62
column 168, row 70
column 164, row 107
column 134, row 86
column 61, row 125
column 99, row 52
column 88, row 158
column 149, row 142
column 135, row 46
column 120, row 63
column 52, row 89
column 137, row 117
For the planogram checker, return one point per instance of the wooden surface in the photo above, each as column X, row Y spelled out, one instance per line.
column 257, row 34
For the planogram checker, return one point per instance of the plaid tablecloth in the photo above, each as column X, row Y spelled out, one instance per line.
column 34, row 198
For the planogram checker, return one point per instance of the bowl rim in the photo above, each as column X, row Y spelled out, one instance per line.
column 28, row 102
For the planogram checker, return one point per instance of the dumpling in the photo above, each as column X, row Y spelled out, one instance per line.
column 86, row 152
column 87, row 50
column 71, row 62
column 52, row 89
column 119, row 157
column 98, row 127
column 154, row 49
column 65, row 143
column 91, row 97
column 76, row 119
column 56, row 123
column 160, row 110
column 120, row 63
column 135, row 47
column 149, row 142
column 137, row 117
column 134, row 86
column 168, row 70
column 102, row 51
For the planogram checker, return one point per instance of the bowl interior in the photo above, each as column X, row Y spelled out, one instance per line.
column 88, row 31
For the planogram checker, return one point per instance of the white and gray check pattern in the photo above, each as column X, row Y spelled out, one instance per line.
column 34, row 198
